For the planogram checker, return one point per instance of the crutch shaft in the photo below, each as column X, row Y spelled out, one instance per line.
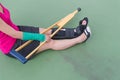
column 60, row 24
column 23, row 45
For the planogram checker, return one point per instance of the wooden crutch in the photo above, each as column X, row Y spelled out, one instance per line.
column 60, row 24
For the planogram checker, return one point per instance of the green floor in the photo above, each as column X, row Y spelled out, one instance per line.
column 97, row 59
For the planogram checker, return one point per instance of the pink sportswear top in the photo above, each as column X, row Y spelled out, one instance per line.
column 6, row 42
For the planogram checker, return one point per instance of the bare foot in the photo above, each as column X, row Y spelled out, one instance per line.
column 84, row 22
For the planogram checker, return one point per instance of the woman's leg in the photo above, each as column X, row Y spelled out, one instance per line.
column 62, row 44
column 66, row 43
column 68, row 33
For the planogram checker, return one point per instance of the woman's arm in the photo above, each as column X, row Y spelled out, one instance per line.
column 5, row 28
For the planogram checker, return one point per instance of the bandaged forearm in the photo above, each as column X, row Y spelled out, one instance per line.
column 33, row 36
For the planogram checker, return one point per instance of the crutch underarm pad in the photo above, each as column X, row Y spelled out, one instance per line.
column 79, row 9
column 18, row 56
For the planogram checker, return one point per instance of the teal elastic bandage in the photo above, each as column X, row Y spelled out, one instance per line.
column 33, row 36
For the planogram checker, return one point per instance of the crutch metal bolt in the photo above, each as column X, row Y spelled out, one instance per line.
column 60, row 24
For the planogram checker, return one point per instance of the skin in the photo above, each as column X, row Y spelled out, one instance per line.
column 51, row 44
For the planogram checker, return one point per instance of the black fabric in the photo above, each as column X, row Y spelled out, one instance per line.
column 83, row 27
column 67, row 33
column 25, row 51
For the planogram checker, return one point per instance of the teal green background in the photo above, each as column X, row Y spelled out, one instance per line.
column 97, row 59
